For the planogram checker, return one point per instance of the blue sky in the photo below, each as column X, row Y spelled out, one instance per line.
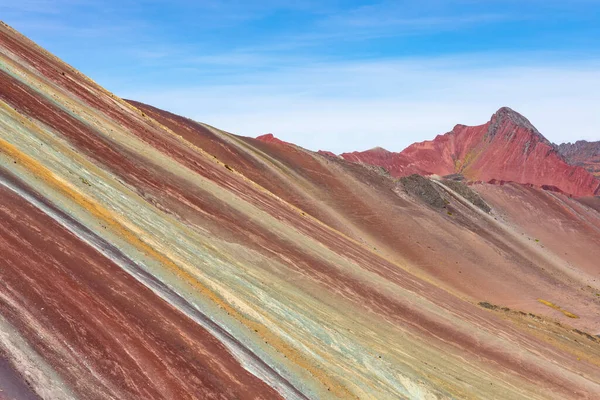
column 332, row 74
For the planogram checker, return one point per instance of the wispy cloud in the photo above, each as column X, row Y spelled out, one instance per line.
column 335, row 74
column 393, row 103
column 386, row 15
column 52, row 7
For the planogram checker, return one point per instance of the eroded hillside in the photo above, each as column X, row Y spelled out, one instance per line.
column 145, row 255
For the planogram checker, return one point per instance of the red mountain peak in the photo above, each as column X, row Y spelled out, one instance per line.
column 506, row 148
column 270, row 138
column 506, row 116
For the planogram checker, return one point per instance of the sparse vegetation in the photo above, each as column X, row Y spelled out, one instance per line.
column 487, row 305
column 587, row 335
column 468, row 193
column 421, row 187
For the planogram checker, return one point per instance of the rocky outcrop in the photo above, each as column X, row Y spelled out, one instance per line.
column 422, row 188
column 469, row 194
column 270, row 138
column 582, row 153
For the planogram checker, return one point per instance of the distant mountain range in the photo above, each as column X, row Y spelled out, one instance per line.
column 582, row 153
column 507, row 148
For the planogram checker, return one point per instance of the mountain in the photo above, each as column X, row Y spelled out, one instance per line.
column 396, row 163
column 269, row 138
column 507, row 148
column 582, row 153
column 144, row 255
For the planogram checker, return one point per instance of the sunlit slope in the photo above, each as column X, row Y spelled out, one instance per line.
column 152, row 257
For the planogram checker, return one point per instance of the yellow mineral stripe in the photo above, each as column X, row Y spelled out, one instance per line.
column 106, row 217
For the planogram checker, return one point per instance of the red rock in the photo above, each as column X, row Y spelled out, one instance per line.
column 326, row 153
column 270, row 138
column 396, row 163
column 507, row 148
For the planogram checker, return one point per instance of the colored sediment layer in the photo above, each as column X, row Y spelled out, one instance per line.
column 145, row 255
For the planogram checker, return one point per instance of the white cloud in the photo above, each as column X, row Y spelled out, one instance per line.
column 358, row 105
column 285, row 82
